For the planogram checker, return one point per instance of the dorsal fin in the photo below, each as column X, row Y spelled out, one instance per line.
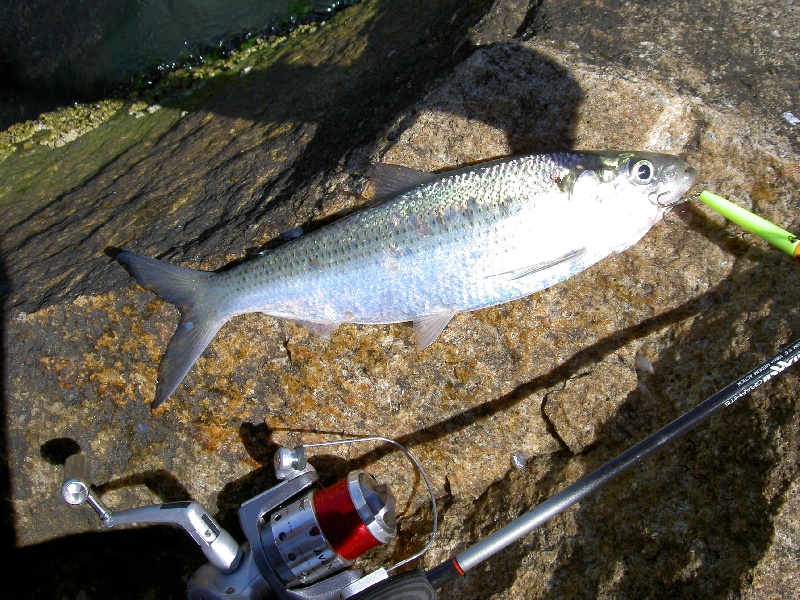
column 392, row 180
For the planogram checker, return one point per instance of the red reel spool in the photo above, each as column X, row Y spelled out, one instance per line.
column 343, row 527
column 327, row 529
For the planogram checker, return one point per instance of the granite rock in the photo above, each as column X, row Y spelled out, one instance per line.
column 283, row 139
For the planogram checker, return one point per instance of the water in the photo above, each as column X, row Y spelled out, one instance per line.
column 82, row 49
column 162, row 31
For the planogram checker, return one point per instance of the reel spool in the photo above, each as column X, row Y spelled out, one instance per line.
column 325, row 530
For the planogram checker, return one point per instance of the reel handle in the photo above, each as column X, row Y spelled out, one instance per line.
column 76, row 488
column 219, row 546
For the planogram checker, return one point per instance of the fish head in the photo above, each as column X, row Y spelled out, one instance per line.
column 642, row 180
column 660, row 179
column 629, row 192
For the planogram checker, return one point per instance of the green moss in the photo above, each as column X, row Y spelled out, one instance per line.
column 47, row 157
column 299, row 8
column 43, row 159
column 57, row 128
column 42, row 169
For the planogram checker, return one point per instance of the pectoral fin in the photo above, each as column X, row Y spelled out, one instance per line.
column 542, row 266
column 429, row 327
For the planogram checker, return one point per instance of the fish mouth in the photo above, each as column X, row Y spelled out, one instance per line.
column 675, row 195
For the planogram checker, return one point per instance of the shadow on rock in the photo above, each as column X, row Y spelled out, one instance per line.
column 259, row 156
column 696, row 518
column 150, row 562
column 146, row 562
column 257, row 440
column 7, row 533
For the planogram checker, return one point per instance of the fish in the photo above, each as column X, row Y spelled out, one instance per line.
column 427, row 247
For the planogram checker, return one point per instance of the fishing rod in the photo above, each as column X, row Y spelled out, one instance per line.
column 301, row 540
column 579, row 490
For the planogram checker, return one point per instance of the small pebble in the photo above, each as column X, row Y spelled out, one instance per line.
column 643, row 363
column 520, row 459
column 791, row 119
column 295, row 232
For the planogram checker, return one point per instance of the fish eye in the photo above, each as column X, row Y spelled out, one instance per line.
column 642, row 171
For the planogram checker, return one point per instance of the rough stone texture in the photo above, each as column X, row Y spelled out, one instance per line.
column 551, row 378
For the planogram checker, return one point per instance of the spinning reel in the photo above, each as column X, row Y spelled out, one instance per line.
column 301, row 538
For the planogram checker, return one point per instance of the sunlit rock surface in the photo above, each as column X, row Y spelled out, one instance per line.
column 284, row 138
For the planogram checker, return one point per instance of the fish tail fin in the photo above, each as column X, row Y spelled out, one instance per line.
column 201, row 317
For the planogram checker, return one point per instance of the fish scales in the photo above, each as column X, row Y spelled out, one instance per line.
column 430, row 248
column 440, row 244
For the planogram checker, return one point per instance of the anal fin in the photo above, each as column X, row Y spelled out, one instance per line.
column 429, row 327
column 322, row 329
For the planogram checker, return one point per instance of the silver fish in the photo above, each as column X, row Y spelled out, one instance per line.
column 432, row 246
